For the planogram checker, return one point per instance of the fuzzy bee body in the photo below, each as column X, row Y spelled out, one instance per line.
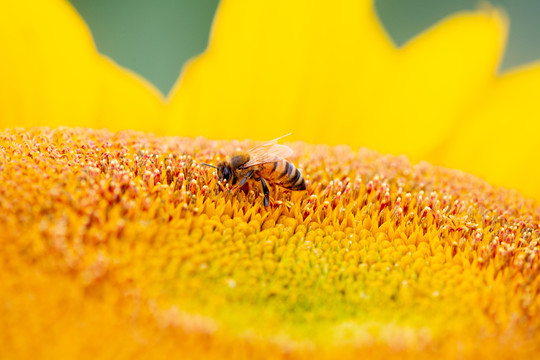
column 264, row 163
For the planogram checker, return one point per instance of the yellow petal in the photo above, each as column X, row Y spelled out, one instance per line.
column 275, row 67
column 499, row 136
column 439, row 74
column 329, row 74
column 51, row 73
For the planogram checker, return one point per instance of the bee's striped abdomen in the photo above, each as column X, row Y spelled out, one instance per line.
column 296, row 180
column 284, row 174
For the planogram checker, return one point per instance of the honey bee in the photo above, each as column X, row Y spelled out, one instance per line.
column 265, row 163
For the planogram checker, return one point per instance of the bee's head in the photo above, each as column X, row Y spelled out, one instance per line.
column 224, row 171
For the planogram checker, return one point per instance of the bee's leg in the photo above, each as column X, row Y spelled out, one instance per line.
column 266, row 192
column 243, row 181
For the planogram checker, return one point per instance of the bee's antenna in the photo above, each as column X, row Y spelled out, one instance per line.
column 209, row 165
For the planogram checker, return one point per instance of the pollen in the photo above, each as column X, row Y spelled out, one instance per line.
column 124, row 245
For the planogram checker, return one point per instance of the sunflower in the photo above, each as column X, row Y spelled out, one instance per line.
column 121, row 244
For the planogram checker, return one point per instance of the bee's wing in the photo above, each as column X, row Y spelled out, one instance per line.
column 268, row 143
column 266, row 153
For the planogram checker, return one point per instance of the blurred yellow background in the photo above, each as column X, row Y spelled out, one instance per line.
column 156, row 37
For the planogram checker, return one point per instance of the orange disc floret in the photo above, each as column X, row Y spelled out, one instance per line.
column 122, row 244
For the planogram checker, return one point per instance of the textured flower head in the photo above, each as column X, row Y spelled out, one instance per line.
column 380, row 256
column 123, row 244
